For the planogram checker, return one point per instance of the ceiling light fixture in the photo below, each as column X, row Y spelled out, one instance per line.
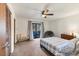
column 44, row 16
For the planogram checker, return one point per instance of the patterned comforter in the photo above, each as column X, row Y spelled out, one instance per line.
column 59, row 46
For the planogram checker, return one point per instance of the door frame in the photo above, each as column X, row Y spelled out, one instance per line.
column 8, row 31
column 14, row 29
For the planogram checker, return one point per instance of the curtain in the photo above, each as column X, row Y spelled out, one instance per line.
column 42, row 29
column 29, row 30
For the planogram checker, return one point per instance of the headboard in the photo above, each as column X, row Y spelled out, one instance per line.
column 68, row 37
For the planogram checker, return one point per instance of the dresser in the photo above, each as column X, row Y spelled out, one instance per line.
column 67, row 37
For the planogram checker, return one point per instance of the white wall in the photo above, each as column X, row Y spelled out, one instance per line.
column 46, row 25
column 21, row 26
column 65, row 25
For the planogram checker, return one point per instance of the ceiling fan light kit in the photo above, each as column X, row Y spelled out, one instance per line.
column 44, row 16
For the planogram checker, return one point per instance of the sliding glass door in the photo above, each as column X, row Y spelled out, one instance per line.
column 36, row 30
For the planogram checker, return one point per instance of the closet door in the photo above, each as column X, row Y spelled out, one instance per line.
column 5, row 30
column 2, row 29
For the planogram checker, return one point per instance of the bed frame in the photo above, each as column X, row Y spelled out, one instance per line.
column 50, row 54
column 67, row 37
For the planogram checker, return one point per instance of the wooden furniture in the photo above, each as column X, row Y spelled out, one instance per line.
column 68, row 37
column 5, row 29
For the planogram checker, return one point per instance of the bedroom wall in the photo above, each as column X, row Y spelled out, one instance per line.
column 46, row 25
column 67, row 25
column 20, row 27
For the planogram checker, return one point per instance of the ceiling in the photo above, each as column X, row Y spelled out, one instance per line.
column 33, row 10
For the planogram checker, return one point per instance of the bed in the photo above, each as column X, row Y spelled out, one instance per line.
column 60, row 46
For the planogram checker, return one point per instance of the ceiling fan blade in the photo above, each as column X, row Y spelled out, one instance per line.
column 49, row 14
column 43, row 12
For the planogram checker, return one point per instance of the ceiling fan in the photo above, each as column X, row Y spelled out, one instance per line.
column 45, row 13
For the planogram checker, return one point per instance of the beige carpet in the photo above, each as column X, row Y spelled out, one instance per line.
column 29, row 48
